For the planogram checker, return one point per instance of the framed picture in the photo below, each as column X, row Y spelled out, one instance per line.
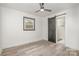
column 28, row 24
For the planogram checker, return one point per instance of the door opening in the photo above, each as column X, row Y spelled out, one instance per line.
column 52, row 29
column 60, row 29
column 56, row 29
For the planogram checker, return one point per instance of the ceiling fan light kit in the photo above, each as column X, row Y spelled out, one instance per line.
column 42, row 8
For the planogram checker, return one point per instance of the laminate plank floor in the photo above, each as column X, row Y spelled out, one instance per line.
column 40, row 48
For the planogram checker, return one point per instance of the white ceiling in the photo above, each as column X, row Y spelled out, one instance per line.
column 32, row 7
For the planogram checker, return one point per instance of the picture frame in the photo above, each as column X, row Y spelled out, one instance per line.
column 28, row 24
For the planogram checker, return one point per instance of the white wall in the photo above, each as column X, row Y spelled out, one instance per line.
column 71, row 27
column 12, row 28
column 45, row 28
column 0, row 32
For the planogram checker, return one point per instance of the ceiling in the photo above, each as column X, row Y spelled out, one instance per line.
column 32, row 7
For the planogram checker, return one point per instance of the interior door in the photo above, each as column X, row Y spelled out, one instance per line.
column 52, row 29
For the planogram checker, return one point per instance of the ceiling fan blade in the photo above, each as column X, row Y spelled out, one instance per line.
column 37, row 11
column 48, row 10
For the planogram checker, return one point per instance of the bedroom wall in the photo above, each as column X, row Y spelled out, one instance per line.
column 71, row 27
column 0, row 33
column 12, row 28
column 45, row 28
column 12, row 33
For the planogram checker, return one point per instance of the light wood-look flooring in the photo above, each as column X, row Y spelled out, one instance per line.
column 40, row 48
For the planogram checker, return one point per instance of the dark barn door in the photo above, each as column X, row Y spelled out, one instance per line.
column 52, row 29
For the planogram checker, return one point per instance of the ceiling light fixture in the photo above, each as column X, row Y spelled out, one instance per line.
column 41, row 9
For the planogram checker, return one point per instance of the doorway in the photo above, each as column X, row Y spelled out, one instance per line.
column 56, row 29
column 52, row 29
column 60, row 29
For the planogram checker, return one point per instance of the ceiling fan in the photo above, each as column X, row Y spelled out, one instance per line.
column 42, row 8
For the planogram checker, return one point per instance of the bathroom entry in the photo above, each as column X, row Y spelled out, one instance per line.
column 60, row 29
column 56, row 29
column 52, row 29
